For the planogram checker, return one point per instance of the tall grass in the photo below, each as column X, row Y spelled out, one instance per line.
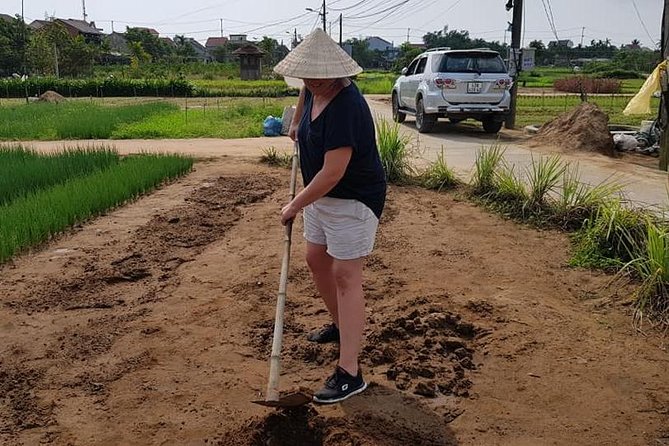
column 34, row 218
column 543, row 177
column 25, row 171
column 395, row 152
column 650, row 262
column 487, row 162
column 438, row 175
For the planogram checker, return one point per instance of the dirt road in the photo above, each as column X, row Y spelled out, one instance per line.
column 152, row 325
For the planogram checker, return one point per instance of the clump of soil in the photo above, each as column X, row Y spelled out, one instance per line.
column 584, row 128
column 51, row 97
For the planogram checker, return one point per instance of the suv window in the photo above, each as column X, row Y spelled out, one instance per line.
column 471, row 63
column 420, row 69
column 412, row 67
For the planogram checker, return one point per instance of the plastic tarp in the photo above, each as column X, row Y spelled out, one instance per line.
column 640, row 104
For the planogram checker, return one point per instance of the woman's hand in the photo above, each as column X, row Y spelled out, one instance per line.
column 292, row 131
column 288, row 213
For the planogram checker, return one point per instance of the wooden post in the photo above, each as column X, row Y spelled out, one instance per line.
column 515, row 60
column 664, row 104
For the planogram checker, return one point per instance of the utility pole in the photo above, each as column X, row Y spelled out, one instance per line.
column 408, row 32
column 221, row 27
column 324, row 14
column 83, row 5
column 341, row 29
column 514, row 59
column 582, row 36
column 664, row 104
column 25, row 42
column 112, row 25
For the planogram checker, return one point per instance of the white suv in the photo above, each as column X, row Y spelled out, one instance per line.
column 454, row 84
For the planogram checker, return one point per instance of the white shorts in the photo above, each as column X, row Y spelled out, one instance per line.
column 346, row 227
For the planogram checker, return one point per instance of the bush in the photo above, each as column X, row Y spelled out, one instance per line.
column 578, row 84
column 110, row 87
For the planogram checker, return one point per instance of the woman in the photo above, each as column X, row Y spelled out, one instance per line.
column 343, row 197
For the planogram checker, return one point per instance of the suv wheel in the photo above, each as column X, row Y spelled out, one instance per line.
column 424, row 121
column 491, row 125
column 398, row 116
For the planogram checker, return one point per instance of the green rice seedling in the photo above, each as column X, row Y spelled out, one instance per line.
column 25, row 171
column 543, row 177
column 487, row 163
column 34, row 218
column 273, row 157
column 394, row 151
column 578, row 201
column 438, row 175
column 650, row 263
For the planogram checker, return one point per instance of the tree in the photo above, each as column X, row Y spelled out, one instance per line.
column 221, row 53
column 407, row 54
column 452, row 39
column 184, row 49
column 46, row 48
column 14, row 36
column 155, row 47
column 361, row 53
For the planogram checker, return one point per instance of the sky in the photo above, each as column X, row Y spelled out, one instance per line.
column 619, row 20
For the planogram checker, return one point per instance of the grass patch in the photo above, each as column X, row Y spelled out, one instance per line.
column 273, row 157
column 34, row 218
column 161, row 119
column 438, row 175
column 395, row 152
column 26, row 171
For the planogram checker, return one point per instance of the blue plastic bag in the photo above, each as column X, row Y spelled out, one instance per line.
column 272, row 126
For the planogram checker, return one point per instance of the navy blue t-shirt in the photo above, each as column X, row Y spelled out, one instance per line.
column 345, row 122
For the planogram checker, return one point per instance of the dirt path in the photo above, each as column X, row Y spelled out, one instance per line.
column 152, row 325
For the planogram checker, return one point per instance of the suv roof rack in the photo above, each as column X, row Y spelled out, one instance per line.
column 441, row 48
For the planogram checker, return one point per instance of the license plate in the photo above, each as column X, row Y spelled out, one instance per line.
column 474, row 87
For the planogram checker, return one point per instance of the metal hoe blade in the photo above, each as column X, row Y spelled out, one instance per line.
column 288, row 400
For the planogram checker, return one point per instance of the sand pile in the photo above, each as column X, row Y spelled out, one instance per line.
column 584, row 128
column 52, row 97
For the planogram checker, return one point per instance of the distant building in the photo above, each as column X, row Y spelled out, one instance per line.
column 375, row 43
column 168, row 41
column 74, row 27
column 250, row 61
column 215, row 42
column 6, row 18
column 561, row 44
column 118, row 45
column 151, row 31
column 201, row 53
column 238, row 38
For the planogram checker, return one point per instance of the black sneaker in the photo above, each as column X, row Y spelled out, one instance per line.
column 339, row 387
column 329, row 333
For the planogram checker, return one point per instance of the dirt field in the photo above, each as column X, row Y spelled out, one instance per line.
column 152, row 325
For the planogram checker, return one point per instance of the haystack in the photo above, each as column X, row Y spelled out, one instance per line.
column 52, row 97
column 584, row 128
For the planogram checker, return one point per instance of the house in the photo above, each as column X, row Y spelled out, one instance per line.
column 6, row 18
column 238, row 38
column 215, row 42
column 201, row 53
column 561, row 44
column 151, row 31
column 375, row 43
column 168, row 41
column 74, row 27
column 118, row 45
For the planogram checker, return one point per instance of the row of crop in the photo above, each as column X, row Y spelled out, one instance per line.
column 110, row 87
column 26, row 172
column 34, row 218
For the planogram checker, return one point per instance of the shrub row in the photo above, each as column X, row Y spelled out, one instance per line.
column 111, row 87
column 578, row 84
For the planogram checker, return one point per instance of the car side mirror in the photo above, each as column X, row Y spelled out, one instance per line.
column 404, row 71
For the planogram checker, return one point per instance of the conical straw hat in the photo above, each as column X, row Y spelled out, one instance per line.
column 318, row 57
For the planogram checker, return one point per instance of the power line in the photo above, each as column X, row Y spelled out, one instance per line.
column 643, row 24
column 397, row 5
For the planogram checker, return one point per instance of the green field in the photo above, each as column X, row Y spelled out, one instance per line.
column 540, row 109
column 83, row 119
column 86, row 185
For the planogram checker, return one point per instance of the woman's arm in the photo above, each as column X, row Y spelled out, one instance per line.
column 295, row 123
column 334, row 168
